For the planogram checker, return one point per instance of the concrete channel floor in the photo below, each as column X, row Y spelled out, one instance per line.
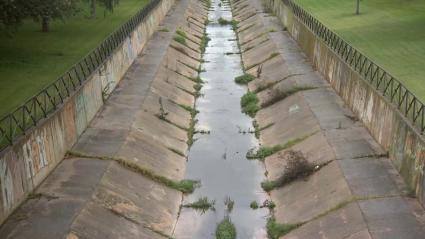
column 380, row 208
column 94, row 198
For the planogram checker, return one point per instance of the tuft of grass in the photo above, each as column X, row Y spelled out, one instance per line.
column 297, row 167
column 276, row 230
column 180, row 39
column 202, row 204
column 185, row 185
column 225, row 229
column 265, row 151
column 244, row 79
column 278, row 95
column 181, row 33
column 249, row 104
column 229, row 204
column 254, row 205
column 268, row 204
column 204, row 42
column 223, row 21
column 233, row 23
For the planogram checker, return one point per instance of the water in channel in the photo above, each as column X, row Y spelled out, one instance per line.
column 218, row 159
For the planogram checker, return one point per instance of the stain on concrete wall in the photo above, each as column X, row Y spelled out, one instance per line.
column 387, row 125
column 25, row 164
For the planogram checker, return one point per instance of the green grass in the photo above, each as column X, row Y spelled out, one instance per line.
column 249, row 104
column 30, row 59
column 225, row 229
column 253, row 205
column 202, row 204
column 276, row 230
column 244, row 79
column 390, row 32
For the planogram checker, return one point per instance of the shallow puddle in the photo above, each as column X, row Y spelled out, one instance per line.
column 218, row 159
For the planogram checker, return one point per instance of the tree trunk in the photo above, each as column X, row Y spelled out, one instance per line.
column 92, row 8
column 45, row 24
column 358, row 7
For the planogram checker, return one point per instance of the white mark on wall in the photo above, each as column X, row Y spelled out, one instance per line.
column 35, row 155
column 369, row 108
column 41, row 151
column 26, row 148
column 295, row 31
column 6, row 182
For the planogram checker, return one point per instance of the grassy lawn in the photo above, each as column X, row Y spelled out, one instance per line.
column 30, row 59
column 390, row 32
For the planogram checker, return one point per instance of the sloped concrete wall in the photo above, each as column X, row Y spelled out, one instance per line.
column 24, row 165
column 387, row 125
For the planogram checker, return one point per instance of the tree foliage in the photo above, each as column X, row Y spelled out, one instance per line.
column 12, row 12
column 108, row 4
column 46, row 10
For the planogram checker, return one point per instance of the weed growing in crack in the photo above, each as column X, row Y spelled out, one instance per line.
column 278, row 94
column 265, row 151
column 204, row 42
column 244, row 79
column 185, row 185
column 225, row 229
column 181, row 33
column 180, row 40
column 297, row 167
column 202, row 204
column 273, row 55
column 249, row 104
column 177, row 152
column 162, row 113
column 276, row 230
column 257, row 128
column 268, row 204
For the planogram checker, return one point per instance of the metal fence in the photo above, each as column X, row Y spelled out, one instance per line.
column 48, row 100
column 391, row 88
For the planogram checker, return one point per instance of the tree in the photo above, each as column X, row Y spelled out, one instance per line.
column 108, row 4
column 11, row 12
column 45, row 11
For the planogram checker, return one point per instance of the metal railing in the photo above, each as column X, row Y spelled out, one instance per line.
column 48, row 100
column 387, row 85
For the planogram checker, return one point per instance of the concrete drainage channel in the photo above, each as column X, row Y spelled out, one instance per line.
column 229, row 182
column 150, row 165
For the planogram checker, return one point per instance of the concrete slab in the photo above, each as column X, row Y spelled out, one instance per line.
column 315, row 149
column 301, row 200
column 329, row 109
column 344, row 223
column 292, row 120
column 353, row 142
column 100, row 142
column 57, row 202
column 170, row 135
column 368, row 177
column 391, row 218
column 150, row 153
column 131, row 204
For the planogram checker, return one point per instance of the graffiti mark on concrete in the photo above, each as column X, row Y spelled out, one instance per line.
column 6, row 182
